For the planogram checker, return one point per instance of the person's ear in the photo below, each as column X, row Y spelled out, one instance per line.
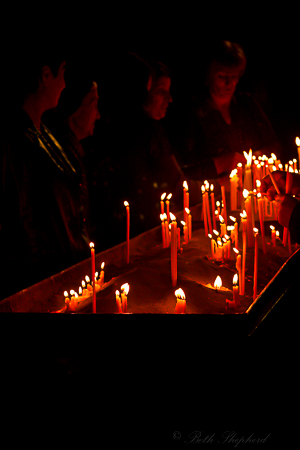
column 46, row 75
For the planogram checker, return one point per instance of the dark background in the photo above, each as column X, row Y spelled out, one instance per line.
column 100, row 34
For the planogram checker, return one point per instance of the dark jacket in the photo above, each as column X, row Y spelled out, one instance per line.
column 42, row 225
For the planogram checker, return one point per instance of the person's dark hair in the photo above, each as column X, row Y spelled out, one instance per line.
column 159, row 69
column 26, row 62
column 226, row 54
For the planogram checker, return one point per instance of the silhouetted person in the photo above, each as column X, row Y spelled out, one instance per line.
column 42, row 229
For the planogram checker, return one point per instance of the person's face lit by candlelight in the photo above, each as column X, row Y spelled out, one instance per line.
column 159, row 98
column 223, row 81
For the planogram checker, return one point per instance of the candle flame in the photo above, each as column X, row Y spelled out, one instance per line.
column 80, row 290
column 218, row 282
column 233, row 173
column 185, row 185
column 248, row 157
column 236, row 250
column 183, row 223
column 92, row 245
column 245, row 193
column 273, row 156
column 244, row 214
column 83, row 283
column 172, row 217
column 272, row 227
column 297, row 140
column 211, row 187
column 187, row 210
column 96, row 274
column 125, row 288
column 180, row 294
column 232, row 218
column 126, row 203
column 258, row 195
column 221, row 218
column 163, row 196
column 258, row 183
column 117, row 293
column 72, row 292
column 235, row 279
column 169, row 196
column 216, row 232
column 255, row 230
column 66, row 294
column 202, row 189
column 87, row 278
column 102, row 265
column 209, row 235
column 277, row 234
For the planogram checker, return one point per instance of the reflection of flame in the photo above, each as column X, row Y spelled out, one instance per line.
column 235, row 279
column 125, row 288
column 180, row 294
column 218, row 282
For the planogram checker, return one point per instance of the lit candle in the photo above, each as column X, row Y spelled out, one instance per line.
column 235, row 294
column 213, row 206
column 180, row 307
column 168, row 206
column 118, row 302
column 248, row 173
column 189, row 224
column 224, row 204
column 235, row 240
column 67, row 300
column 297, row 140
column 124, row 293
column 255, row 263
column 126, row 204
column 163, row 230
column 238, row 266
column 218, row 283
column 250, row 222
column 244, row 236
column 74, row 300
column 233, row 189
column 173, row 226
column 213, row 245
column 185, row 233
column 85, row 292
column 223, row 228
column 101, row 278
column 185, row 199
column 93, row 275
column 261, row 220
column 273, row 235
column 204, row 209
column 162, row 203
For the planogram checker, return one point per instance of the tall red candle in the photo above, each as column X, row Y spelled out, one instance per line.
column 127, row 232
column 93, row 275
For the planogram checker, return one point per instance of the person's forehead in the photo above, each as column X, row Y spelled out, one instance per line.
column 162, row 82
column 228, row 70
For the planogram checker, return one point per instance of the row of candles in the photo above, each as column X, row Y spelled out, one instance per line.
column 221, row 245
